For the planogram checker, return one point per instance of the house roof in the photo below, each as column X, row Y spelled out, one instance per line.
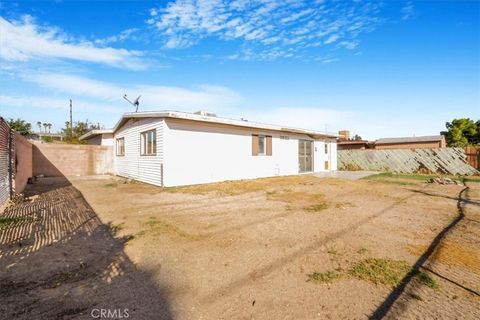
column 353, row 142
column 93, row 133
column 409, row 139
column 218, row 120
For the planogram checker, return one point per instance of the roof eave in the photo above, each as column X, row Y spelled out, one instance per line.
column 225, row 121
column 92, row 133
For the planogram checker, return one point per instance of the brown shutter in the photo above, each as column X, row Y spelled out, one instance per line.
column 269, row 145
column 254, row 145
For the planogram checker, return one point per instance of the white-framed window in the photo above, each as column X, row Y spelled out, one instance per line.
column 148, row 143
column 326, row 148
column 120, row 146
column 261, row 145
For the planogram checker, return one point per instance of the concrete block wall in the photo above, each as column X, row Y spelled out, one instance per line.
column 23, row 163
column 53, row 160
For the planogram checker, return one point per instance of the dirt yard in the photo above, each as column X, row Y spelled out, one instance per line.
column 282, row 248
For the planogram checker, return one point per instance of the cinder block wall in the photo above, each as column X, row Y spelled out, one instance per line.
column 23, row 163
column 54, row 160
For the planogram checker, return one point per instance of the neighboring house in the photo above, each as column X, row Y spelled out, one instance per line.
column 424, row 142
column 354, row 144
column 169, row 148
column 43, row 135
column 99, row 137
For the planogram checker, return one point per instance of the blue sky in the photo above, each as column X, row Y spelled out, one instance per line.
column 380, row 69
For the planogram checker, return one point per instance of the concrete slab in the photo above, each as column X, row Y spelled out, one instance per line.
column 346, row 175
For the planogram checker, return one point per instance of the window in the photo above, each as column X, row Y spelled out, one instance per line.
column 148, row 143
column 120, row 146
column 326, row 148
column 261, row 145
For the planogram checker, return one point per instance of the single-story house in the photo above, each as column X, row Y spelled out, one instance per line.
column 354, row 144
column 98, row 137
column 422, row 142
column 170, row 148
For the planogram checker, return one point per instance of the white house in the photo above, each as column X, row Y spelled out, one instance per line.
column 169, row 148
column 99, row 137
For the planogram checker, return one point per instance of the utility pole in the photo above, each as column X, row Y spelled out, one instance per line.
column 71, row 119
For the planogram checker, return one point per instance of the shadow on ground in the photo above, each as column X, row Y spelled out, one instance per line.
column 393, row 306
column 59, row 261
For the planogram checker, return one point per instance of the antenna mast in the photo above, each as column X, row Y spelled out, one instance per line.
column 134, row 103
column 71, row 119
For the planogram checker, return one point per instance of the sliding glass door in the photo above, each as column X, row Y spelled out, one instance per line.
column 305, row 159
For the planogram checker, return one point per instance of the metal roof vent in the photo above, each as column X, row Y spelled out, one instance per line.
column 205, row 113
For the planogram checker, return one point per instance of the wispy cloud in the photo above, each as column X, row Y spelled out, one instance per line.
column 286, row 27
column 326, row 60
column 46, row 102
column 25, row 40
column 154, row 97
column 408, row 10
column 127, row 34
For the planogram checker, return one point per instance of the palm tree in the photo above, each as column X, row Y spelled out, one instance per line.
column 45, row 126
column 49, row 125
column 39, row 124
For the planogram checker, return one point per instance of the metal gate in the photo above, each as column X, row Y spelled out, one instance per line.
column 6, row 161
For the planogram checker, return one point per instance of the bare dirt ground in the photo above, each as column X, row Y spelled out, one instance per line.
column 281, row 248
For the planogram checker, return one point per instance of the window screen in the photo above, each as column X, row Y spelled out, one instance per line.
column 120, row 146
column 148, row 144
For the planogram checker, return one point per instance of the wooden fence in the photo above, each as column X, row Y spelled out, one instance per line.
column 6, row 162
column 442, row 160
column 473, row 156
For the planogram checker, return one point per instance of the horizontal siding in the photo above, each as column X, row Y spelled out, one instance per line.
column 133, row 165
column 197, row 153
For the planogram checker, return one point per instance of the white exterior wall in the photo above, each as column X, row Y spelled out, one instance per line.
column 333, row 146
column 202, row 153
column 320, row 156
column 132, row 164
column 104, row 139
column 107, row 139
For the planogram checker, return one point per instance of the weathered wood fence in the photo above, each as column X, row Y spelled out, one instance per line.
column 473, row 156
column 443, row 160
column 6, row 161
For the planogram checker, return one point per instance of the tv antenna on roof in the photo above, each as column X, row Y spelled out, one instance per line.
column 135, row 102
